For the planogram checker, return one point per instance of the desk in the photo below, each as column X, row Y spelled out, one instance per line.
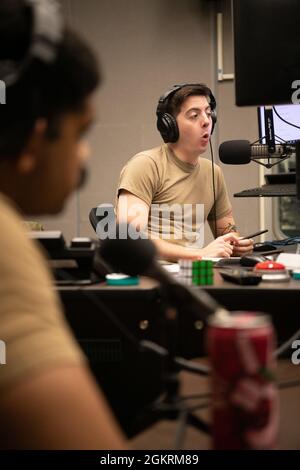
column 280, row 299
column 139, row 307
column 132, row 380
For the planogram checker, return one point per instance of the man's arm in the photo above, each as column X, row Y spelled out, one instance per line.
column 226, row 225
column 132, row 209
column 60, row 408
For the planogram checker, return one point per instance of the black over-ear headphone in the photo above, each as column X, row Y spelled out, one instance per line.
column 46, row 35
column 167, row 124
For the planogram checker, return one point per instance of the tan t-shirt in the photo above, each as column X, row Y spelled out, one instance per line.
column 32, row 327
column 180, row 195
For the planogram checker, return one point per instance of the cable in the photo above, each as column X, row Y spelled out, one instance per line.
column 200, row 406
column 181, row 429
column 200, row 369
column 107, row 312
column 284, row 242
column 280, row 117
column 184, row 364
column 214, row 188
column 289, row 384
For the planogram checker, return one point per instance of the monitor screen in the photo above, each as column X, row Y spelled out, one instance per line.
column 290, row 113
column 267, row 51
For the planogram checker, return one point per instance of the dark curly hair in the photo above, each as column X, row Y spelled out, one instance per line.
column 43, row 90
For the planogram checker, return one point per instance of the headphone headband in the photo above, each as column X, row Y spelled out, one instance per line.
column 46, row 35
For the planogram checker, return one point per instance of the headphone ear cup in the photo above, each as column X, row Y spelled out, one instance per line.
column 168, row 128
column 214, row 120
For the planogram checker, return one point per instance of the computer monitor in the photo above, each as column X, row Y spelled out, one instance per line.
column 287, row 171
column 267, row 51
column 285, row 120
column 283, row 130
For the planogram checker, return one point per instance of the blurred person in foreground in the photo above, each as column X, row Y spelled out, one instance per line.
column 49, row 399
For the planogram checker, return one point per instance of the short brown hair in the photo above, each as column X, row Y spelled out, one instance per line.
column 175, row 102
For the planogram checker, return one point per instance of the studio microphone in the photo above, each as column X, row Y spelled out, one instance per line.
column 138, row 257
column 241, row 152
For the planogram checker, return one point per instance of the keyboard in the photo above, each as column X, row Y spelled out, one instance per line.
column 269, row 190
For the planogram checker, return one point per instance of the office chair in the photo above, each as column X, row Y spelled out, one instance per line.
column 93, row 218
column 103, row 211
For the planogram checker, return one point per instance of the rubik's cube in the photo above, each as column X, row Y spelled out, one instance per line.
column 197, row 273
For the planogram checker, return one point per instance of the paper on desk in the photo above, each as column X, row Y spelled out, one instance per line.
column 171, row 268
column 216, row 260
column 175, row 269
column 290, row 260
column 208, row 258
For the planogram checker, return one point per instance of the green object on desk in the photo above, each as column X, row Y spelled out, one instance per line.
column 117, row 279
column 202, row 273
column 296, row 274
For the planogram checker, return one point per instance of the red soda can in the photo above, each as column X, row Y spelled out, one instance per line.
column 245, row 404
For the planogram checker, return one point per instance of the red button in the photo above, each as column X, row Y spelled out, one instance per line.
column 269, row 266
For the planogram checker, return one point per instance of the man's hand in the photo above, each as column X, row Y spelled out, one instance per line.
column 242, row 247
column 221, row 247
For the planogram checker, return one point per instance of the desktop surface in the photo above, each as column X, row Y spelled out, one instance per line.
column 141, row 308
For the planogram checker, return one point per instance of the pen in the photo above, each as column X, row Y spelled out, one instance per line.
column 252, row 235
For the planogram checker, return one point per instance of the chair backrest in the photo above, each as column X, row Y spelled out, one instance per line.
column 95, row 215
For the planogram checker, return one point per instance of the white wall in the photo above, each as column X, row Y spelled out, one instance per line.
column 145, row 46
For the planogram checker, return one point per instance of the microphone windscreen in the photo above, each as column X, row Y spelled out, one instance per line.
column 125, row 254
column 235, row 152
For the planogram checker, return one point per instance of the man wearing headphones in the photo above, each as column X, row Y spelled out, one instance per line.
column 171, row 191
column 49, row 399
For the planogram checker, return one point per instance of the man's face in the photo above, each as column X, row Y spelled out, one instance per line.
column 195, row 124
column 60, row 164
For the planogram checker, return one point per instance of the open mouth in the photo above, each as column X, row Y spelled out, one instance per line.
column 205, row 136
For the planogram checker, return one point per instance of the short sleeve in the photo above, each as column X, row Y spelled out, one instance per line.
column 140, row 177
